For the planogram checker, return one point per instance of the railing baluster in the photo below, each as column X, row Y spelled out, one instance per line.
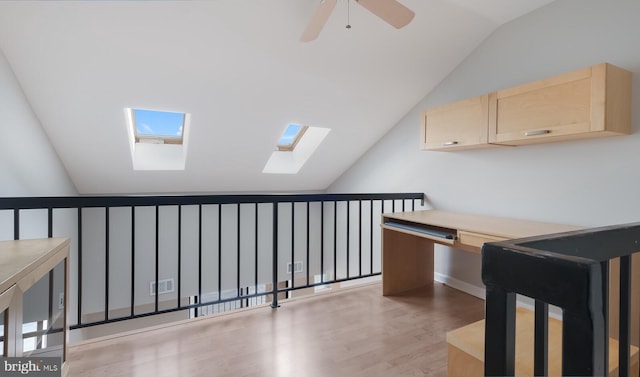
column 380, row 217
column 157, row 271
column 293, row 245
column 106, row 264
column 133, row 259
column 624, row 363
column 371, row 236
column 308, row 243
column 360, row 237
column 604, row 271
column 238, row 252
column 322, row 242
column 255, row 272
column 220, row 252
column 49, row 222
column 179, row 284
column 500, row 326
column 274, row 302
column 335, row 240
column 541, row 339
column 199, row 298
column 51, row 276
column 79, row 266
column 16, row 224
column 348, row 220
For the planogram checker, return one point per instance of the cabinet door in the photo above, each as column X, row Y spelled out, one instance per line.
column 574, row 105
column 460, row 125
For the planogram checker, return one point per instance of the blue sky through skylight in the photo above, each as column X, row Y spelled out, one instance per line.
column 289, row 135
column 158, row 123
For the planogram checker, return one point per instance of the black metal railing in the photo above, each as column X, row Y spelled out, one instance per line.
column 220, row 248
column 569, row 270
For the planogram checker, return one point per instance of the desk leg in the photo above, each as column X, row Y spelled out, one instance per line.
column 407, row 262
column 65, row 319
column 10, row 300
column 13, row 321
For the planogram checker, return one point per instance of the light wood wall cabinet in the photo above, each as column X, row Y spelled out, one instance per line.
column 587, row 103
column 591, row 102
column 460, row 125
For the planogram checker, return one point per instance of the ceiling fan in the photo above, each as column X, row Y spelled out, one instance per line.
column 391, row 11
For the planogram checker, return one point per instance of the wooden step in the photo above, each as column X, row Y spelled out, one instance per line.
column 466, row 349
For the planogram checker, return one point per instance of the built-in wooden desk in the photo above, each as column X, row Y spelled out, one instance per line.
column 22, row 264
column 408, row 239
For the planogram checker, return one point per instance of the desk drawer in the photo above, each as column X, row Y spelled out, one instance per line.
column 476, row 239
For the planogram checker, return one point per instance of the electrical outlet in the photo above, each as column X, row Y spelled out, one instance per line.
column 61, row 300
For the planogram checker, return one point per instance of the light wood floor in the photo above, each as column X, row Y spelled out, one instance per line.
column 355, row 332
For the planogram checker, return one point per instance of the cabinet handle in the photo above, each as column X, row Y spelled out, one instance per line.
column 448, row 143
column 537, row 132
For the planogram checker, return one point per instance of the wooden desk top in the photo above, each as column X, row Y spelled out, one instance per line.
column 19, row 258
column 487, row 225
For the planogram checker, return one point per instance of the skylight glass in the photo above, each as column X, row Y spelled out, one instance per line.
column 291, row 160
column 158, row 126
column 291, row 137
column 158, row 140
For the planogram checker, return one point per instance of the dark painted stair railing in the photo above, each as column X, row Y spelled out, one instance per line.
column 121, row 244
column 569, row 270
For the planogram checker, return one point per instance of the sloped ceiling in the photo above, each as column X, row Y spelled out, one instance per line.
column 237, row 66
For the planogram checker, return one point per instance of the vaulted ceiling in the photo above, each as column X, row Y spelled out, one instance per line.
column 238, row 68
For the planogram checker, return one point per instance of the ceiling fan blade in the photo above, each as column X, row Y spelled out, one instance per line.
column 394, row 13
column 320, row 17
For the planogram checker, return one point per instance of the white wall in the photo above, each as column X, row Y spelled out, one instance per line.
column 29, row 166
column 588, row 183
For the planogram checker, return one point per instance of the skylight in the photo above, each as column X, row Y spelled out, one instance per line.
column 158, row 139
column 291, row 137
column 293, row 149
column 160, row 127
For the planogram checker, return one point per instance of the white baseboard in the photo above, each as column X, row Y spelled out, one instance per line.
column 460, row 285
column 479, row 292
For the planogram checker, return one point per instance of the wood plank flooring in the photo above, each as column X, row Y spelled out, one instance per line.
column 353, row 332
